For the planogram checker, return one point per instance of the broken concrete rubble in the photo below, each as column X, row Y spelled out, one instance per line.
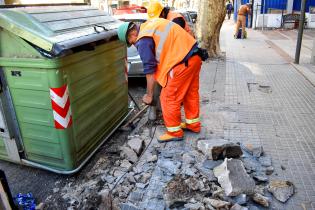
column 233, row 178
column 260, row 177
column 269, row 170
column 136, row 144
column 194, row 206
column 125, row 164
column 189, row 171
column 188, row 159
column 152, row 158
column 281, row 190
column 256, row 151
column 194, row 184
column 177, row 191
column 211, row 164
column 260, row 199
column 240, row 199
column 260, row 189
column 128, row 206
column 238, row 207
column 251, row 164
column 217, row 203
column 171, row 167
column 219, row 149
column 145, row 177
column 129, row 154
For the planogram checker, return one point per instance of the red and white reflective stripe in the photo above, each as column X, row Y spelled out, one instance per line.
column 60, row 102
column 126, row 69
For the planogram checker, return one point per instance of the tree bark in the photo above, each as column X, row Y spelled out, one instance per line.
column 210, row 19
column 173, row 3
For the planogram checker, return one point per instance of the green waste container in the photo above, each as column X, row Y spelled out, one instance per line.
column 65, row 72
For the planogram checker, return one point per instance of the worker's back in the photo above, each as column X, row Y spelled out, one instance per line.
column 243, row 10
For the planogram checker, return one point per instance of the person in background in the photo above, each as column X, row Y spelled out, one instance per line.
column 229, row 8
column 244, row 10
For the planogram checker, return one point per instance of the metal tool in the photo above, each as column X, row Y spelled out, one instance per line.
column 130, row 122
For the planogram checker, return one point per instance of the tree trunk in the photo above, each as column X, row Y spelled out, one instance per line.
column 173, row 3
column 210, row 19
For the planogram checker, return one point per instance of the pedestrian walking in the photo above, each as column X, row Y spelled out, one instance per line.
column 157, row 10
column 229, row 8
column 171, row 58
column 241, row 19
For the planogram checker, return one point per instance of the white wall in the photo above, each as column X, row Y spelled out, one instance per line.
column 274, row 20
column 313, row 53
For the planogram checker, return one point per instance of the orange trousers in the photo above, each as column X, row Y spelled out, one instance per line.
column 182, row 88
column 241, row 22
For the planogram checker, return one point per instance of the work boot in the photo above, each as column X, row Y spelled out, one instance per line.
column 167, row 138
column 192, row 128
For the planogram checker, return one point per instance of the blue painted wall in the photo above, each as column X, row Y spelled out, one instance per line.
column 297, row 4
column 282, row 4
column 273, row 4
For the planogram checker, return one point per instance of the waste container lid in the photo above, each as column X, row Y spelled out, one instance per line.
column 56, row 29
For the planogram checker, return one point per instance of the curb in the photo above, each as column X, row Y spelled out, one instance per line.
column 308, row 74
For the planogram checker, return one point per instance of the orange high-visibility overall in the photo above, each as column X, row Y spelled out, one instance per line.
column 180, row 83
column 172, row 15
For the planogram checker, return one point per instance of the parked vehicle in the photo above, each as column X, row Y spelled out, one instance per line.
column 188, row 19
column 193, row 15
column 132, row 9
column 135, row 67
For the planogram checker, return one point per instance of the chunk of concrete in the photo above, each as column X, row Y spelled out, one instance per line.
column 238, row 207
column 269, row 170
column 216, row 203
column 136, row 144
column 260, row 177
column 129, row 154
column 194, row 206
column 188, row 159
column 125, row 164
column 128, row 206
column 281, row 190
column 240, row 199
column 152, row 158
column 171, row 167
column 211, row 164
column 256, row 151
column 106, row 199
column 251, row 164
column 260, row 199
column 233, row 178
column 219, row 149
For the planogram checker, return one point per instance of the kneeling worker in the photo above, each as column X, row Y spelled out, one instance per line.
column 169, row 57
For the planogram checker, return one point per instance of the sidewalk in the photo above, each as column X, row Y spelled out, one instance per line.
column 256, row 96
column 280, row 119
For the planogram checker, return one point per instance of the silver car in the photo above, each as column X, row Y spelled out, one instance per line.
column 135, row 67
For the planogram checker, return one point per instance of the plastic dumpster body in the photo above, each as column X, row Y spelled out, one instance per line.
column 65, row 73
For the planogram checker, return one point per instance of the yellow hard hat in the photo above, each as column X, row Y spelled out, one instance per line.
column 154, row 9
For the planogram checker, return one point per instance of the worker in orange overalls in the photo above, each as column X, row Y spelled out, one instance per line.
column 169, row 57
column 241, row 19
column 157, row 10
